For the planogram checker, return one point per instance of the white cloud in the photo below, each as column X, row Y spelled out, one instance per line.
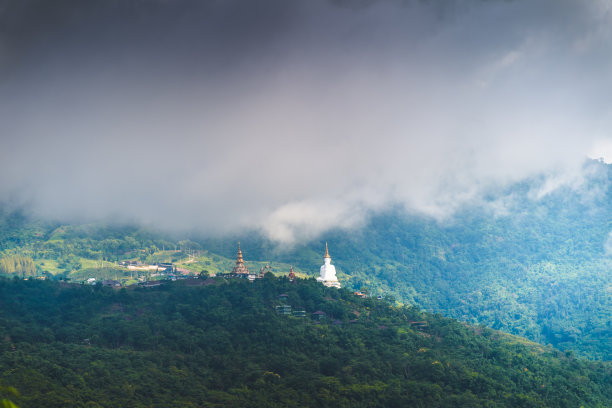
column 602, row 149
column 308, row 119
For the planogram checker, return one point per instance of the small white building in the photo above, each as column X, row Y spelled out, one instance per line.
column 327, row 273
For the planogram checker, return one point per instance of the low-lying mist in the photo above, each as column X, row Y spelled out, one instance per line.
column 294, row 117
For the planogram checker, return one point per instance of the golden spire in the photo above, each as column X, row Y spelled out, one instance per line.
column 240, row 268
column 326, row 251
column 239, row 259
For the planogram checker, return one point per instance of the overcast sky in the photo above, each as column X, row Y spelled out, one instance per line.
column 293, row 116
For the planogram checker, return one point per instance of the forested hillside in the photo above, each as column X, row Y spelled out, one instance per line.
column 528, row 263
column 531, row 264
column 223, row 343
column 541, row 268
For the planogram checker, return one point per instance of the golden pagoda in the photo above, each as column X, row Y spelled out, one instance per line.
column 240, row 268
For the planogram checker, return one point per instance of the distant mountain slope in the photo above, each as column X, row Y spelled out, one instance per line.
column 541, row 268
column 532, row 264
column 226, row 344
column 526, row 261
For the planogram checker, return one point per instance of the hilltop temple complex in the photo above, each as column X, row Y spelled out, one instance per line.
column 327, row 272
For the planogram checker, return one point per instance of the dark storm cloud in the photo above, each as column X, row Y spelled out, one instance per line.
column 293, row 116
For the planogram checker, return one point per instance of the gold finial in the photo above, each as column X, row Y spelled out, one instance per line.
column 326, row 251
column 239, row 255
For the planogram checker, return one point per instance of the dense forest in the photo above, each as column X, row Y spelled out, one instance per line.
column 230, row 343
column 177, row 175
column 524, row 262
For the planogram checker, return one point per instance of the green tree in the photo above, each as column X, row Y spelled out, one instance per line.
column 7, row 392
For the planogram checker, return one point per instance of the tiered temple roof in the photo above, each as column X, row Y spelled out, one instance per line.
column 240, row 268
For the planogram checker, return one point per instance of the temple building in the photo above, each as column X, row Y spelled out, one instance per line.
column 265, row 269
column 240, row 269
column 291, row 275
column 327, row 274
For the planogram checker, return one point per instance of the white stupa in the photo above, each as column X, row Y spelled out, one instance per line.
column 327, row 275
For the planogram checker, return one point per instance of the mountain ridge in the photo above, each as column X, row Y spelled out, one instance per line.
column 539, row 270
